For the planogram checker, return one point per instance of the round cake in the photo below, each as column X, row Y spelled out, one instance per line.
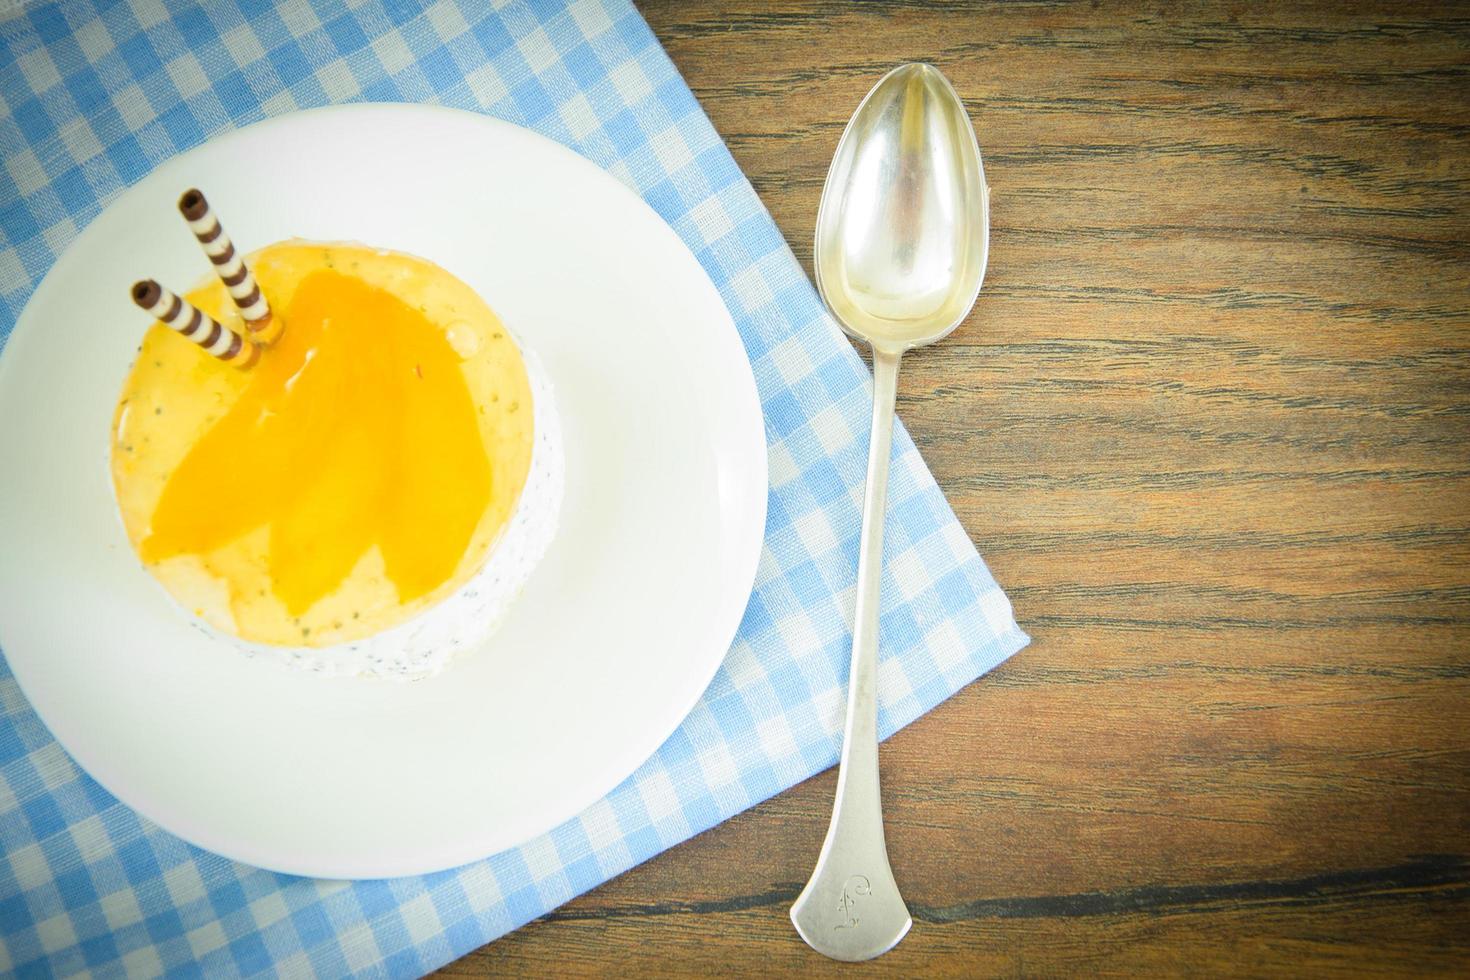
column 371, row 493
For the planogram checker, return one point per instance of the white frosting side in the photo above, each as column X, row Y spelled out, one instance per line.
column 424, row 645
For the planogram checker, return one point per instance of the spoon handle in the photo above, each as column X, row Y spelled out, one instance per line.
column 851, row 908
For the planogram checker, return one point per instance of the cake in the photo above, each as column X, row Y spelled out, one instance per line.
column 368, row 495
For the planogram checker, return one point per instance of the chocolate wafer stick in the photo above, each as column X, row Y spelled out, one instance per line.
column 196, row 325
column 263, row 326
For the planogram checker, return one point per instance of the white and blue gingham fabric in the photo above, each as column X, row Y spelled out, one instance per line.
column 95, row 94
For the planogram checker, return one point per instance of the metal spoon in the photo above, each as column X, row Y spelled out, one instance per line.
column 902, row 236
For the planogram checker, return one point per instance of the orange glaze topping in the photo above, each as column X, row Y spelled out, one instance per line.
column 362, row 468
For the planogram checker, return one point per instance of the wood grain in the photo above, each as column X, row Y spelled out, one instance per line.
column 1210, row 425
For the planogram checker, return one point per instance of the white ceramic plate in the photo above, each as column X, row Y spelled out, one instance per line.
column 614, row 639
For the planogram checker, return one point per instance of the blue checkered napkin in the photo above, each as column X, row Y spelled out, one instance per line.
column 92, row 101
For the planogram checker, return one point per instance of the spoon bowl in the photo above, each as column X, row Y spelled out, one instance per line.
column 903, row 229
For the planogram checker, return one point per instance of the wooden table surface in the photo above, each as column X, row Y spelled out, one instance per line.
column 1210, row 426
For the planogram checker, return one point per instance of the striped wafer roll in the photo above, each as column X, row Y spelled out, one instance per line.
column 195, row 324
column 264, row 327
